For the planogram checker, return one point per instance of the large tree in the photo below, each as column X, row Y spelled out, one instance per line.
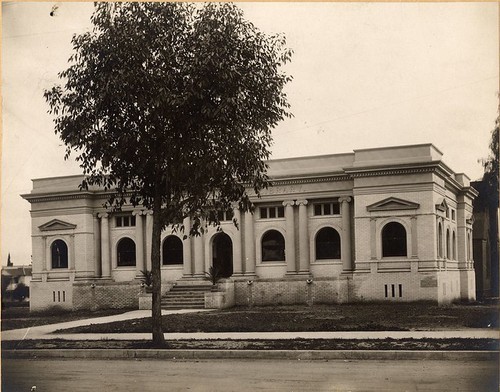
column 171, row 105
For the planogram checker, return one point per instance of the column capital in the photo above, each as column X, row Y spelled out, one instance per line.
column 103, row 215
column 288, row 203
column 302, row 202
column 346, row 199
column 138, row 212
column 147, row 212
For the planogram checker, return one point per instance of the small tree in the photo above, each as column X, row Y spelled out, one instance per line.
column 172, row 105
column 9, row 263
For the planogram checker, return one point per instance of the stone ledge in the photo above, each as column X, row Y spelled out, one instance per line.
column 253, row 354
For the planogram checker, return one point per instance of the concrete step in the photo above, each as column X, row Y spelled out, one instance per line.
column 187, row 302
column 185, row 297
column 183, row 306
column 190, row 288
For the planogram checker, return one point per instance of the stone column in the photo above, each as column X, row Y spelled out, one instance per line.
column 97, row 248
column 291, row 267
column 105, row 256
column 346, row 235
column 47, row 256
column 249, row 244
column 414, row 237
column 71, row 252
column 373, row 239
column 149, row 237
column 140, row 264
column 44, row 253
column 303, row 237
column 237, row 262
column 186, row 249
column 199, row 265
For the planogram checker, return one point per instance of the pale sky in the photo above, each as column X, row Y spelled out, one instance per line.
column 365, row 75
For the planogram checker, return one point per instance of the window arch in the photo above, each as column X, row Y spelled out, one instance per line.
column 125, row 252
column 327, row 244
column 59, row 253
column 273, row 246
column 394, row 240
column 172, row 251
column 448, row 253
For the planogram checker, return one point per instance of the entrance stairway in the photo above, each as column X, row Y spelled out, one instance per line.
column 185, row 297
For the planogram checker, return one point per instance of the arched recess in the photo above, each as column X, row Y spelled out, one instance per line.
column 172, row 251
column 454, row 245
column 448, row 240
column 327, row 244
column 125, row 252
column 440, row 240
column 222, row 254
column 59, row 254
column 273, row 246
column 394, row 242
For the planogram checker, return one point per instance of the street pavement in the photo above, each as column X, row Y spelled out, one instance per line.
column 47, row 332
column 56, row 375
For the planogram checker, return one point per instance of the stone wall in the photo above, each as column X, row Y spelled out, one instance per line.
column 286, row 291
column 115, row 295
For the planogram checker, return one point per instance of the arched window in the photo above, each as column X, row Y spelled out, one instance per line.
column 327, row 244
column 59, row 252
column 273, row 246
column 448, row 253
column 454, row 246
column 440, row 240
column 172, row 250
column 394, row 240
column 126, row 252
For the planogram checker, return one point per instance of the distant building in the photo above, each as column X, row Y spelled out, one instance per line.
column 12, row 278
column 486, row 241
column 381, row 224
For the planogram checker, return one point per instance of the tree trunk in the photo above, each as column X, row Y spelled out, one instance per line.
column 158, row 338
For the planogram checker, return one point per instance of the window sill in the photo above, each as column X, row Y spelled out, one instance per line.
column 271, row 264
column 326, row 261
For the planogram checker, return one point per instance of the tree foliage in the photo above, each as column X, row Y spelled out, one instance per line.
column 171, row 106
column 490, row 165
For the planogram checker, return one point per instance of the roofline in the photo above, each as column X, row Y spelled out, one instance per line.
column 400, row 146
column 55, row 177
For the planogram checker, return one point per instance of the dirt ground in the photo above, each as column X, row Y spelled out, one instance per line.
column 294, row 344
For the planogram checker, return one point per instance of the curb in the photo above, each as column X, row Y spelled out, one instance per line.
column 251, row 354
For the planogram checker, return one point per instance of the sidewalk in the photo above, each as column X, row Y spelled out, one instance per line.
column 46, row 332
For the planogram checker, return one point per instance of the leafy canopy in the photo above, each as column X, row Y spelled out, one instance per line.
column 173, row 101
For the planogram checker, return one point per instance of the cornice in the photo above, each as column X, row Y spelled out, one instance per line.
column 46, row 197
column 309, row 180
column 388, row 171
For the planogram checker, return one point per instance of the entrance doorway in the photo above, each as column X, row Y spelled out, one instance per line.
column 222, row 254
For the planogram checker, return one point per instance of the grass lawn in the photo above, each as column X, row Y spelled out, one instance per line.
column 345, row 317
column 21, row 317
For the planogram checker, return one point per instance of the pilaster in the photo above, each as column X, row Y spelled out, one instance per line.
column 303, row 237
column 105, row 250
column 291, row 267
column 237, row 262
column 249, row 244
column 346, row 234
